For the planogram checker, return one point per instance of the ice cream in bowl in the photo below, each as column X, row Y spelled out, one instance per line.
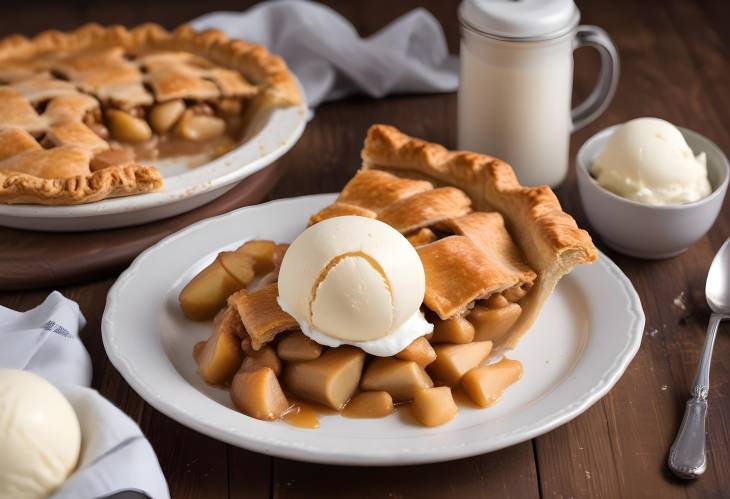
column 651, row 189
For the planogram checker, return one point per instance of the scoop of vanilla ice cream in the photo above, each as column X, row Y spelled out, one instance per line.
column 353, row 301
column 40, row 437
column 647, row 160
column 357, row 281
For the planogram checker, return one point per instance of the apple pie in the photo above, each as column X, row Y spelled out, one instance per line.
column 82, row 112
column 491, row 250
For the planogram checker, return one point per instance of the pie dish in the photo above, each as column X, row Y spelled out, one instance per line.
column 492, row 251
column 80, row 112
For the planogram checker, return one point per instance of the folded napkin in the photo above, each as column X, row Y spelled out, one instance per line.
column 332, row 61
column 115, row 456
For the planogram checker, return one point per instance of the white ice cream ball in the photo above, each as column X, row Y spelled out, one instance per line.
column 40, row 436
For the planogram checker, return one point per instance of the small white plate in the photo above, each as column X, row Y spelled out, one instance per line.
column 588, row 332
column 269, row 137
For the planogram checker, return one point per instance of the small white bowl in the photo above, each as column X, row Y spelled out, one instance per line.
column 647, row 231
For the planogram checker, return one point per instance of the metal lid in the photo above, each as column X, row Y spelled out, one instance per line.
column 520, row 19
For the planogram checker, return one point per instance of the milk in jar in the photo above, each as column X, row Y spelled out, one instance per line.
column 516, row 83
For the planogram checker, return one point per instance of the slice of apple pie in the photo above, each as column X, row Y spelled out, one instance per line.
column 491, row 252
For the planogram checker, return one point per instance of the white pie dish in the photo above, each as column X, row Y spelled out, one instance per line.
column 269, row 137
column 588, row 332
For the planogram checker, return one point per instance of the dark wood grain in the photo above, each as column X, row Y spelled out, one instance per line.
column 509, row 473
column 675, row 65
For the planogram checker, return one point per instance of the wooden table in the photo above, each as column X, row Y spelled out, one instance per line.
column 675, row 58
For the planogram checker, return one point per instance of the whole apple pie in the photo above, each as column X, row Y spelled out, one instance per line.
column 450, row 232
column 84, row 113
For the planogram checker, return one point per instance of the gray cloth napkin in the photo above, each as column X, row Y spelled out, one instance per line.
column 115, row 455
column 332, row 61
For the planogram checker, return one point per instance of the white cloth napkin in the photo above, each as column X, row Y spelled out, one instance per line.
column 115, row 455
column 332, row 61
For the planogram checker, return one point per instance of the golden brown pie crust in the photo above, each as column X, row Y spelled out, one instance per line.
column 110, row 182
column 425, row 209
column 548, row 237
column 267, row 71
column 341, row 210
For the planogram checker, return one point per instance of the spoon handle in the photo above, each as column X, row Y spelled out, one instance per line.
column 687, row 455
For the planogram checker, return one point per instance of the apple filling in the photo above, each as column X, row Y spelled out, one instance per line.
column 476, row 285
column 274, row 372
column 168, row 129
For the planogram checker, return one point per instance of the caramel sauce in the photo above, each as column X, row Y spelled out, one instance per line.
column 301, row 416
column 171, row 146
column 305, row 414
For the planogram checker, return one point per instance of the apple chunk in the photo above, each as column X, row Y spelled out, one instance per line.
column 239, row 265
column 369, row 405
column 400, row 378
column 434, row 406
column 454, row 330
column 221, row 356
column 207, row 292
column 486, row 384
column 262, row 358
column 330, row 379
column 453, row 361
column 516, row 293
column 492, row 323
column 295, row 346
column 258, row 394
column 262, row 253
column 420, row 351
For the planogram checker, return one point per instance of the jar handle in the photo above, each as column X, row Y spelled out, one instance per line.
column 600, row 97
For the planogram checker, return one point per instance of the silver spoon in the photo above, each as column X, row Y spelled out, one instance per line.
column 687, row 456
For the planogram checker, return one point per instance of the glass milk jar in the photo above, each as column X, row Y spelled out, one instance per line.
column 516, row 83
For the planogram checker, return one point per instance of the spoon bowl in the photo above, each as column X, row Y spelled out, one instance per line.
column 717, row 289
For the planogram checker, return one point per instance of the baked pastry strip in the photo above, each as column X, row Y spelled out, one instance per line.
column 488, row 231
column 425, row 209
column 261, row 315
column 338, row 209
column 109, row 182
column 376, row 190
column 458, row 272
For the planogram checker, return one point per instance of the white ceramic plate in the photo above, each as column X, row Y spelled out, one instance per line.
column 587, row 334
column 186, row 188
